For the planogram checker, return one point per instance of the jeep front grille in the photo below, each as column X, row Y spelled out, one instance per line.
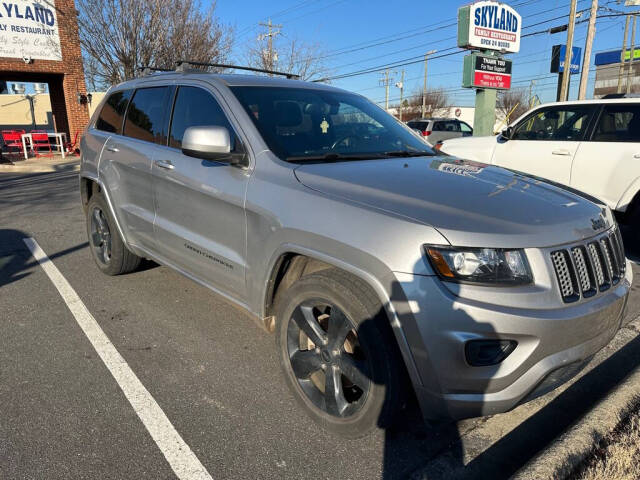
column 586, row 269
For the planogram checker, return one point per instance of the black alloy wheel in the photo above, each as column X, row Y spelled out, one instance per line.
column 338, row 353
column 100, row 236
column 327, row 359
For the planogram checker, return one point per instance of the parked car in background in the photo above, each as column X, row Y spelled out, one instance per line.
column 379, row 266
column 590, row 145
column 435, row 130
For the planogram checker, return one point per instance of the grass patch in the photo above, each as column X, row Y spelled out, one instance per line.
column 617, row 455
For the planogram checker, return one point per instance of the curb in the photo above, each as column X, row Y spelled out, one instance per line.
column 33, row 167
column 573, row 446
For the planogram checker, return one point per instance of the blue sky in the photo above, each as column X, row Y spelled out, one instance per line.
column 411, row 28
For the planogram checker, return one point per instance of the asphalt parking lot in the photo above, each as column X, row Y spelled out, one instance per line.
column 213, row 373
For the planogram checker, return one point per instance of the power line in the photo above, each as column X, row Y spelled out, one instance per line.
column 418, row 59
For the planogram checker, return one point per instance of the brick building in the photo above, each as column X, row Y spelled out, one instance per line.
column 39, row 42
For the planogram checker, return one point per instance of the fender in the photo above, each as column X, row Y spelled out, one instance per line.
column 628, row 196
column 371, row 280
column 107, row 197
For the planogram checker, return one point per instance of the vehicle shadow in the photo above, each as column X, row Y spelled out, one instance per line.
column 631, row 239
column 16, row 260
column 411, row 442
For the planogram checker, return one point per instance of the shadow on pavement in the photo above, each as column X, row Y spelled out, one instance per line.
column 15, row 258
column 411, row 442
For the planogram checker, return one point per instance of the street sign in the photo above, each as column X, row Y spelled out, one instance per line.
column 489, row 26
column 558, row 53
column 486, row 71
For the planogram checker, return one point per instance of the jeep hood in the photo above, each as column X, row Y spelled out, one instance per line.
column 471, row 204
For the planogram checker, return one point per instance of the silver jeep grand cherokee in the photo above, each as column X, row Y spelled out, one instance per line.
column 381, row 268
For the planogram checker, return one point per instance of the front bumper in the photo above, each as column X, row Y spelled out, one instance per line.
column 553, row 345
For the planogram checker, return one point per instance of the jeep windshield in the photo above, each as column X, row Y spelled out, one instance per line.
column 314, row 126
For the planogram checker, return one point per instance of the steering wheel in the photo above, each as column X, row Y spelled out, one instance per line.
column 342, row 139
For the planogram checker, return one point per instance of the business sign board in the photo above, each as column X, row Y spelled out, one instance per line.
column 29, row 30
column 613, row 56
column 485, row 71
column 558, row 53
column 489, row 26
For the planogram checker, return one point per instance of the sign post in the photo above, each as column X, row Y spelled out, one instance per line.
column 492, row 28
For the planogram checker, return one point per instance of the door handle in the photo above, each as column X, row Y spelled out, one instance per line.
column 113, row 149
column 637, row 155
column 561, row 152
column 166, row 164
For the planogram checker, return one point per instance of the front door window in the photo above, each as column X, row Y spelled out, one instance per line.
column 556, row 123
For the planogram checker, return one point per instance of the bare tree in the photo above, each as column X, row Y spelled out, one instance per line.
column 437, row 102
column 117, row 36
column 292, row 56
column 512, row 103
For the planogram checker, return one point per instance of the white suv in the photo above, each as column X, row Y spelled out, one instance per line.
column 590, row 145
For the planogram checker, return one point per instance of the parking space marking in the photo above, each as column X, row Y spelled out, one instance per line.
column 182, row 460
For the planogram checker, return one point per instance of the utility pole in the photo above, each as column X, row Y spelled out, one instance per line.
column 586, row 64
column 630, row 72
column 566, row 74
column 270, row 57
column 400, row 85
column 424, row 85
column 386, row 81
column 622, row 54
column 531, row 84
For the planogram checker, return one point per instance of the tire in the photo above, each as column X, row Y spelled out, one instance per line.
column 107, row 247
column 364, row 371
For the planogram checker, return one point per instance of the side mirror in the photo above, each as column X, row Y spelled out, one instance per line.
column 507, row 133
column 210, row 143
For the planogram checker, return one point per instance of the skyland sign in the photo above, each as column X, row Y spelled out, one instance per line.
column 489, row 26
column 29, row 30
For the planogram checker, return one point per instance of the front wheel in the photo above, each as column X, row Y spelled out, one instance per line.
column 338, row 353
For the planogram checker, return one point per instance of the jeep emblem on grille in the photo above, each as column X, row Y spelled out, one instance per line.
column 598, row 223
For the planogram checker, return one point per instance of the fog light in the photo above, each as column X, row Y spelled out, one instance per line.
column 481, row 353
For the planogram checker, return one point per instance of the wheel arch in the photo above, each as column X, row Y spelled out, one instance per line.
column 630, row 199
column 293, row 262
column 89, row 186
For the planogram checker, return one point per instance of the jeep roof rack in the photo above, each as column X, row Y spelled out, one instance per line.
column 183, row 66
column 146, row 70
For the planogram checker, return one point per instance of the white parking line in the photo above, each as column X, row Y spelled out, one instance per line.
column 182, row 460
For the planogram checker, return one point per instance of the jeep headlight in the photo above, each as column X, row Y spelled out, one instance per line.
column 490, row 266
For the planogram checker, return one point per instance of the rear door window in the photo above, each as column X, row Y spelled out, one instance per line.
column 146, row 115
column 112, row 113
column 446, row 126
column 618, row 123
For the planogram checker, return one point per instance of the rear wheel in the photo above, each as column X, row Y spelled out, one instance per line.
column 338, row 353
column 109, row 251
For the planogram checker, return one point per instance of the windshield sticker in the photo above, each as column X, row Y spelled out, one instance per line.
column 324, row 126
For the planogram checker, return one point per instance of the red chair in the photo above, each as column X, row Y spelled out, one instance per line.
column 72, row 147
column 13, row 139
column 40, row 141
